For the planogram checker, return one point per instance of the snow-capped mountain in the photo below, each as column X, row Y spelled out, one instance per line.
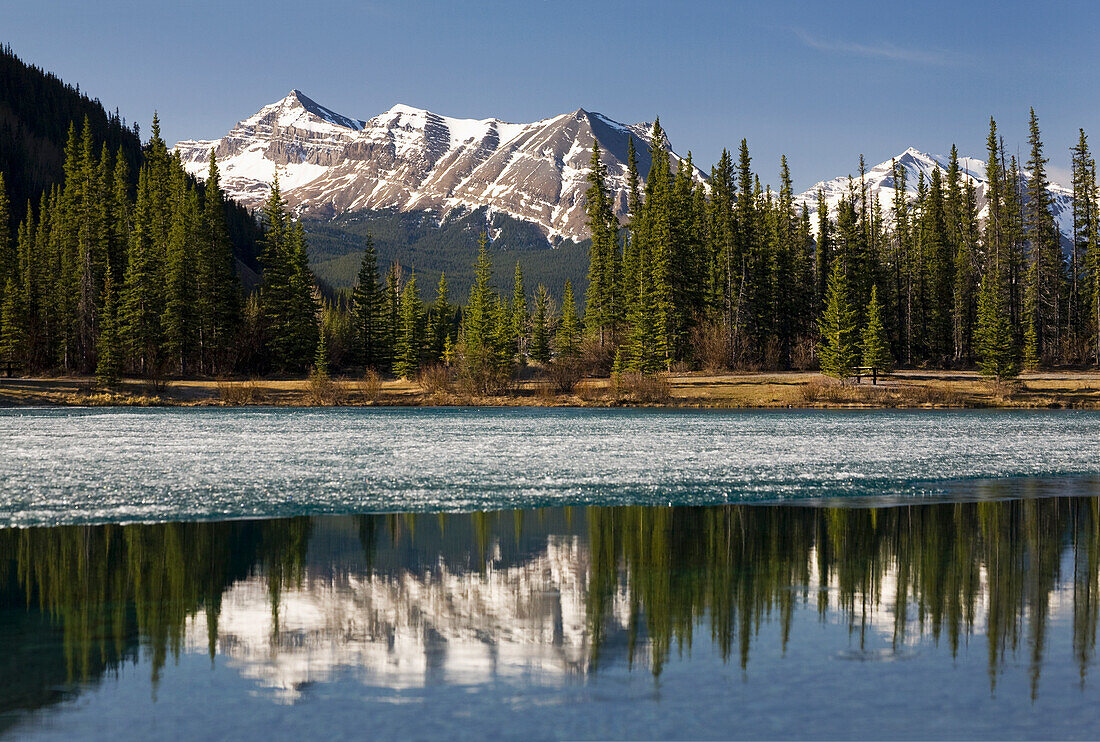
column 411, row 159
column 880, row 184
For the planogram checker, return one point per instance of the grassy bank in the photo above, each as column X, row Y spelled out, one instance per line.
column 904, row 389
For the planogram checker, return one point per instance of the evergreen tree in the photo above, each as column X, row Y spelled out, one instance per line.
column 406, row 362
column 287, row 303
column 1044, row 276
column 441, row 323
column 218, row 289
column 993, row 336
column 601, row 299
column 369, row 310
column 568, row 336
column 518, row 314
column 143, row 294
column 13, row 336
column 874, row 347
column 320, row 356
column 539, row 349
column 108, row 347
column 837, row 328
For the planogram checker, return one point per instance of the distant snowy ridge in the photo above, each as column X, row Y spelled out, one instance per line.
column 410, row 159
column 880, row 184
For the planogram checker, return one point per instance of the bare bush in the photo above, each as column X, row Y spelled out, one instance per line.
column 565, row 374
column 323, row 391
column 435, row 379
column 239, row 393
column 631, row 386
column 369, row 387
column 596, row 359
column 710, row 345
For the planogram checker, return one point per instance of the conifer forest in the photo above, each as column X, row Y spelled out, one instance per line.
column 128, row 267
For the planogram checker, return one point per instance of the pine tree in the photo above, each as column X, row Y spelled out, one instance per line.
column 568, row 336
column 369, row 310
column 874, row 347
column 441, row 321
column 836, row 351
column 539, row 349
column 1045, row 268
column 518, row 314
column 143, row 294
column 601, row 310
column 13, row 336
column 287, row 303
column 180, row 322
column 320, row 356
column 406, row 361
column 993, row 335
column 218, row 289
column 108, row 348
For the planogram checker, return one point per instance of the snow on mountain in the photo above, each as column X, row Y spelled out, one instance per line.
column 411, row 159
column 880, row 184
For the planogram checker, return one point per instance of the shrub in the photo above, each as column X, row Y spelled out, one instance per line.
column 631, row 386
column 324, row 392
column 370, row 386
column 240, row 392
column 435, row 379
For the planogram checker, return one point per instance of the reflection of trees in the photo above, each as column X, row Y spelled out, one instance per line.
column 98, row 596
column 945, row 570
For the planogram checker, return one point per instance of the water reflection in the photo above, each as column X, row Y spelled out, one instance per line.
column 549, row 596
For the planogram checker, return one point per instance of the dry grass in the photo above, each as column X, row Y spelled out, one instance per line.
column 727, row 390
column 824, row 392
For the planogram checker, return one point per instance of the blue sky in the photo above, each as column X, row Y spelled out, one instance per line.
column 820, row 82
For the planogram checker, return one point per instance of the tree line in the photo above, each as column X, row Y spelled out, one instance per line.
column 111, row 279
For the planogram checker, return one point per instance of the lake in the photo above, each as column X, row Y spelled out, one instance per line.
column 548, row 574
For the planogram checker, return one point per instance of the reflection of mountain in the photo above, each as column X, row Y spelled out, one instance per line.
column 552, row 595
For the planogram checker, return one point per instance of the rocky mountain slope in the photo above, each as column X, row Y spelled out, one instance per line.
column 408, row 159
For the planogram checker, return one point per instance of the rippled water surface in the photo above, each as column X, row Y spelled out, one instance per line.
column 87, row 466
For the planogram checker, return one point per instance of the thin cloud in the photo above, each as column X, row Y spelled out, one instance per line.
column 885, row 50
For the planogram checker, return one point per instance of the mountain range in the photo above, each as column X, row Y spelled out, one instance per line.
column 412, row 161
column 408, row 159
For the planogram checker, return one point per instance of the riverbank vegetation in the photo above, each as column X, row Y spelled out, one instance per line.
column 906, row 389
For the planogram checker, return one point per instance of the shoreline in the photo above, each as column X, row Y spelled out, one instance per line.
column 909, row 389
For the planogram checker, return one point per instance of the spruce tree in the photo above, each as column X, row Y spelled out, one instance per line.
column 874, row 347
column 219, row 296
column 836, row 350
column 568, row 336
column 108, row 348
column 539, row 350
column 518, row 314
column 406, row 362
column 368, row 307
column 440, row 320
column 320, row 356
column 13, row 336
column 993, row 335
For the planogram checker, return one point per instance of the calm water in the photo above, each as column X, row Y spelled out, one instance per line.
column 915, row 575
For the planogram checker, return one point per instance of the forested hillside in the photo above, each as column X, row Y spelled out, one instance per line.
column 418, row 242
column 37, row 111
